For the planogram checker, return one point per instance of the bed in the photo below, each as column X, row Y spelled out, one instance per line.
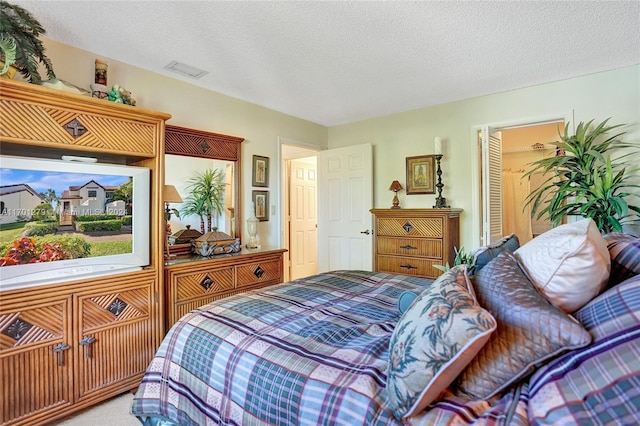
column 315, row 351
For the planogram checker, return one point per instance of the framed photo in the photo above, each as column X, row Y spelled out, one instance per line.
column 421, row 175
column 261, row 204
column 260, row 175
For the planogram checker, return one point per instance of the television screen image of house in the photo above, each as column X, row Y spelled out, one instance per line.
column 47, row 216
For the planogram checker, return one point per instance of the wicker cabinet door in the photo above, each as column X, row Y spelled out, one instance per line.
column 114, row 342
column 52, row 119
column 35, row 360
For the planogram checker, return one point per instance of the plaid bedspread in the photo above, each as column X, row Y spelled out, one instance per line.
column 309, row 352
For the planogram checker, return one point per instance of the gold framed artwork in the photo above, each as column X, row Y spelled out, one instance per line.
column 261, row 203
column 421, row 174
column 260, row 175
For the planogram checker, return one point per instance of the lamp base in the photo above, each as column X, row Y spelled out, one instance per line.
column 396, row 201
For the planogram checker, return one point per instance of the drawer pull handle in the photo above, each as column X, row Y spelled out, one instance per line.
column 58, row 349
column 86, row 342
column 408, row 266
column 409, row 247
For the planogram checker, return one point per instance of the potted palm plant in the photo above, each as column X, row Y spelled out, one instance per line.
column 20, row 46
column 587, row 180
column 206, row 197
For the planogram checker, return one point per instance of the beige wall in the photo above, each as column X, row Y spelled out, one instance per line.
column 613, row 94
column 196, row 108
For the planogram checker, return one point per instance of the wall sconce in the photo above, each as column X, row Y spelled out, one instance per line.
column 170, row 195
column 395, row 187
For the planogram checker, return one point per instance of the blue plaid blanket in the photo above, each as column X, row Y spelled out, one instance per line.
column 312, row 351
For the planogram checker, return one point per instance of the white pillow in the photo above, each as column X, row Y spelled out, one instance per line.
column 569, row 264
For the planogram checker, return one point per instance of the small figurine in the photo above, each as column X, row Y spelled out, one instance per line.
column 114, row 94
column 101, row 72
column 126, row 97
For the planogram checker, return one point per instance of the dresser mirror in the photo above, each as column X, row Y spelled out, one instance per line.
column 180, row 171
column 189, row 153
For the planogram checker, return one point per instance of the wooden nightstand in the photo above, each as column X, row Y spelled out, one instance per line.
column 411, row 241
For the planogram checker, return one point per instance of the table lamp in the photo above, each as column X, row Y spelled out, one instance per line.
column 170, row 195
column 395, row 187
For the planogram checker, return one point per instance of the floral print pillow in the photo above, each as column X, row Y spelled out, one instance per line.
column 433, row 341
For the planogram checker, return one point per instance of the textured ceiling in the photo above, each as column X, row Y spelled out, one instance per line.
column 338, row 62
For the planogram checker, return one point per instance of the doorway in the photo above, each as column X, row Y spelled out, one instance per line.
column 504, row 159
column 299, row 205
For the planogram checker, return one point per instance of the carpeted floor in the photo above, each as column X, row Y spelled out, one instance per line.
column 113, row 412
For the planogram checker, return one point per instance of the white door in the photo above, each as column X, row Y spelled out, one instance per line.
column 491, row 185
column 345, row 196
column 303, row 220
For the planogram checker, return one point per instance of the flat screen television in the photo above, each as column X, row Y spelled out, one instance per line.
column 66, row 220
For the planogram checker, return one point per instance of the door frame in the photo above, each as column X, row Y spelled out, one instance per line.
column 476, row 153
column 284, row 199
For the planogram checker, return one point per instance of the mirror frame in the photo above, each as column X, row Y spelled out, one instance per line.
column 198, row 143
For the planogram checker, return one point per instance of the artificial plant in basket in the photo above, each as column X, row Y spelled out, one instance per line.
column 20, row 45
column 588, row 180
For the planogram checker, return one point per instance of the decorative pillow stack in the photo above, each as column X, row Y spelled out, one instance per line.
column 569, row 264
column 530, row 330
column 438, row 335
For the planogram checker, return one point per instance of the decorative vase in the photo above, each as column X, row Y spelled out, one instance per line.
column 252, row 229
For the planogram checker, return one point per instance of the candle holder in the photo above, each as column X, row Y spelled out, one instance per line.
column 441, row 202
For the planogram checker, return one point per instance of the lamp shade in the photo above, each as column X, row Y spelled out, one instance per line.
column 395, row 186
column 171, row 194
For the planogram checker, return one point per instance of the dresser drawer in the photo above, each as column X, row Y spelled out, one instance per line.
column 408, row 266
column 259, row 272
column 198, row 284
column 424, row 247
column 410, row 227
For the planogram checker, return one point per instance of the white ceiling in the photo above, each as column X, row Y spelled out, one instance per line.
column 338, row 62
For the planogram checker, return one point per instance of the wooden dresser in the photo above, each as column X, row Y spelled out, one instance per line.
column 411, row 241
column 195, row 281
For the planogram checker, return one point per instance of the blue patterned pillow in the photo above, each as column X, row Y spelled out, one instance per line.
column 434, row 340
column 486, row 254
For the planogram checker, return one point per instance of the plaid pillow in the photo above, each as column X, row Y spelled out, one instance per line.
column 598, row 384
column 624, row 249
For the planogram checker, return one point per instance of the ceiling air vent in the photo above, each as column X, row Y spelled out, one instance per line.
column 185, row 70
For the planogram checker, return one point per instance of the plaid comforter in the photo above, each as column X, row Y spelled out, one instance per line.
column 309, row 352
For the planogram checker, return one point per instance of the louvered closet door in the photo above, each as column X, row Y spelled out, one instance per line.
column 491, row 185
column 113, row 342
column 35, row 359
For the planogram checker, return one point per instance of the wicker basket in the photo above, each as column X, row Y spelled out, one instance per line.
column 213, row 243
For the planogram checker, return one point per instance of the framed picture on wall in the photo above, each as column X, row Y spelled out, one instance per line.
column 421, row 173
column 260, row 175
column 261, row 204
